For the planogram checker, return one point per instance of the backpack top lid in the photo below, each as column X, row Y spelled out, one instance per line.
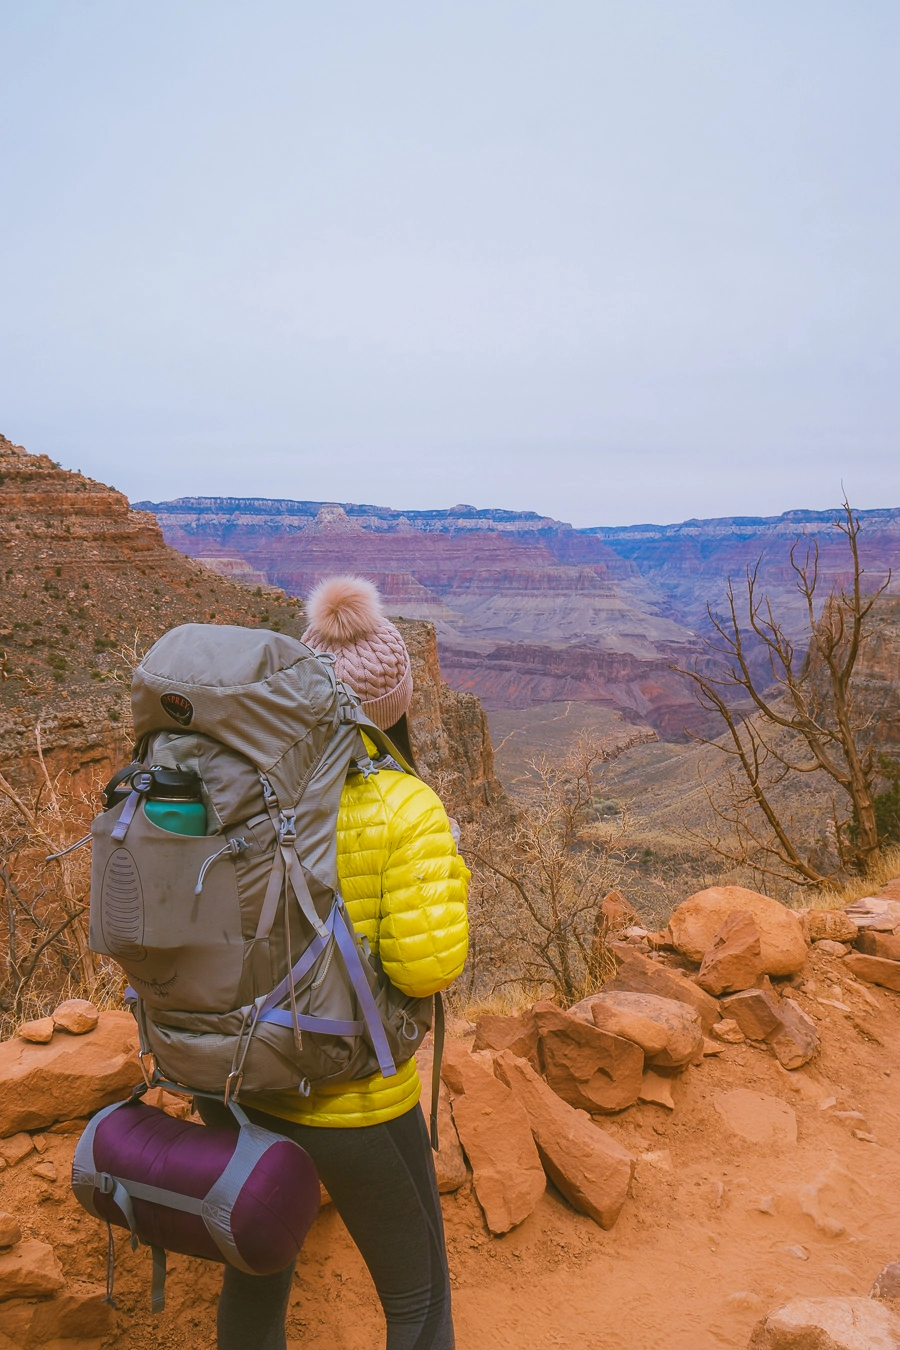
column 263, row 694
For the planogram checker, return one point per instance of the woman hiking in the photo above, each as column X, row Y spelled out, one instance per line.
column 405, row 887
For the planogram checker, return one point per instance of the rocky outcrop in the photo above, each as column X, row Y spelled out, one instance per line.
column 87, row 584
column 72, row 1076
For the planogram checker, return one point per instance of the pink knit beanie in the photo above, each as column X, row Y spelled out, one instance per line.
column 346, row 619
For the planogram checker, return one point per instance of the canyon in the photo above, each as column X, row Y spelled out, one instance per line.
column 528, row 610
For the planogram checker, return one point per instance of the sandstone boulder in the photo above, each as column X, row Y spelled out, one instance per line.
column 733, row 959
column 77, row 1314
column 826, row 947
column 669, row 1033
column 495, row 1132
column 639, row 975
column 828, row 1324
column 40, row 1031
column 885, row 945
column 797, row 1040
column 782, row 1024
column 77, row 1016
column 698, row 919
column 833, row 925
column 72, row 1076
column 29, row 1270
column 10, row 1232
column 616, row 912
column 876, row 913
column 517, row 1033
column 589, row 1068
column 874, row 970
column 589, row 1167
column 756, row 1117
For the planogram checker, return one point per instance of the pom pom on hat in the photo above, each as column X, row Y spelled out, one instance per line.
column 344, row 609
column 346, row 619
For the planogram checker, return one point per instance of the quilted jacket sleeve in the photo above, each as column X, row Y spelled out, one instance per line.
column 424, row 932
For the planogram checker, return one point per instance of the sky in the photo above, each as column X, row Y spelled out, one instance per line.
column 612, row 262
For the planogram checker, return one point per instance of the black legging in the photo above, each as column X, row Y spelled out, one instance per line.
column 381, row 1179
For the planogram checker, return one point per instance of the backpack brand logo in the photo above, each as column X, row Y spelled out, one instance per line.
column 179, row 708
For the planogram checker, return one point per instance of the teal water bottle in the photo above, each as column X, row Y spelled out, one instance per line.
column 174, row 802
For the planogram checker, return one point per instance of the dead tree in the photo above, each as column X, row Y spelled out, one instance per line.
column 800, row 718
column 536, row 896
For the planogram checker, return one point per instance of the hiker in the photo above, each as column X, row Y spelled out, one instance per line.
column 405, row 889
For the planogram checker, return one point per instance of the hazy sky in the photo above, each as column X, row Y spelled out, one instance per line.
column 609, row 261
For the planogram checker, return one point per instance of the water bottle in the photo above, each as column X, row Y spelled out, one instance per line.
column 174, row 802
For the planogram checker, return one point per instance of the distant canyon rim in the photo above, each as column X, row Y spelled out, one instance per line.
column 528, row 610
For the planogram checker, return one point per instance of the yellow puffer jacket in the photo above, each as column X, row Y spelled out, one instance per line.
column 405, row 888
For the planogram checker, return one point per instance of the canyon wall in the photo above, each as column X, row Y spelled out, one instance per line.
column 527, row 609
column 87, row 584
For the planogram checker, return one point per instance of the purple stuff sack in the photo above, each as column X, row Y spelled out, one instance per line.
column 245, row 1197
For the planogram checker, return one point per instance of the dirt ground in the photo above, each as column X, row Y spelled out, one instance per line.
column 718, row 1229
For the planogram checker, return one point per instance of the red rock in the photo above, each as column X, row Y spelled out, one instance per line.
column 668, row 1032
column 16, row 1147
column 450, row 1161
column 10, row 1232
column 589, row 1167
column 71, row 1076
column 657, row 1090
column 494, row 1131
column 885, row 945
column 828, row 1324
column 76, row 1313
column 832, row 925
column 798, row 1040
column 587, row 1067
column 77, row 1016
column 755, row 1012
column 728, row 1031
column 639, row 975
column 733, row 959
column 887, row 1283
column 29, row 1270
column 40, row 1032
column 698, row 919
column 517, row 1033
column 46, row 1170
column 617, row 912
column 874, row 969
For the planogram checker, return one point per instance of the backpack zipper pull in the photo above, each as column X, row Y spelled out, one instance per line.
column 234, row 847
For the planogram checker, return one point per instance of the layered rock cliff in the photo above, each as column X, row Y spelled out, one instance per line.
column 87, row 584
column 527, row 609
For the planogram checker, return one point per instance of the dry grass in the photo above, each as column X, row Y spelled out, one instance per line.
column 887, row 869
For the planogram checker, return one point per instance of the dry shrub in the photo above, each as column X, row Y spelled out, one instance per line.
column 44, row 900
column 536, row 925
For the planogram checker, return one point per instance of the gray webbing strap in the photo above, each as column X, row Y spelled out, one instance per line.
column 349, row 948
column 273, row 895
column 252, row 1143
column 300, row 888
column 306, row 962
column 84, row 1169
column 325, row 1026
column 158, row 1284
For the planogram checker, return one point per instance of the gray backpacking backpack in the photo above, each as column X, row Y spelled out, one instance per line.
column 247, row 971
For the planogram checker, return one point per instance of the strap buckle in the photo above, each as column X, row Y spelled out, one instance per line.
column 287, row 827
